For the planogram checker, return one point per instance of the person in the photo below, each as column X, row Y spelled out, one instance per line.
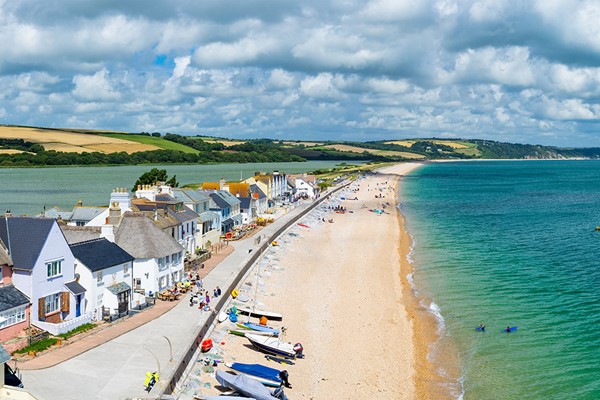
column 192, row 296
column 278, row 393
column 218, row 291
column 482, row 327
column 508, row 329
column 215, row 293
column 207, row 298
column 151, row 378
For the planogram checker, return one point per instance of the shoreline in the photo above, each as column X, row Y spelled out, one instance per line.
column 344, row 291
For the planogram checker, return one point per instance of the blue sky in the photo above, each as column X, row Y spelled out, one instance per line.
column 512, row 71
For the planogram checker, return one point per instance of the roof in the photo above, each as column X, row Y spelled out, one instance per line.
column 241, row 189
column 56, row 213
column 245, row 202
column 166, row 198
column 228, row 221
column 27, row 238
column 184, row 215
column 86, row 213
column 118, row 288
column 99, row 254
column 76, row 234
column 4, row 356
column 211, row 186
column 219, row 201
column 228, row 197
column 4, row 256
column 256, row 189
column 138, row 236
column 75, row 287
column 11, row 297
column 208, row 216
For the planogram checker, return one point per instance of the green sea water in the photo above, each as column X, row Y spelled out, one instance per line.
column 511, row 243
column 29, row 190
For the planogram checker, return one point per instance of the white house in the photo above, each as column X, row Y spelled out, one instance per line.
column 159, row 257
column 106, row 271
column 43, row 269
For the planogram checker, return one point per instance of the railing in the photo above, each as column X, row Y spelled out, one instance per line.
column 65, row 326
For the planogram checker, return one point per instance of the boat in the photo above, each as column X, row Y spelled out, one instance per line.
column 244, row 385
column 261, row 328
column 257, row 313
column 265, row 375
column 222, row 316
column 272, row 345
column 242, row 332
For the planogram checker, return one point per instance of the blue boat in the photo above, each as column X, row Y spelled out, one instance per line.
column 261, row 328
column 244, row 385
column 265, row 375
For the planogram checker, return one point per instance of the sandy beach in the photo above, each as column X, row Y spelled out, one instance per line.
column 342, row 289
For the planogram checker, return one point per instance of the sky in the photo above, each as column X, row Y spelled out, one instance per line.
column 512, row 71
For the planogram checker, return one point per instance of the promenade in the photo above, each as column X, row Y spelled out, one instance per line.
column 111, row 364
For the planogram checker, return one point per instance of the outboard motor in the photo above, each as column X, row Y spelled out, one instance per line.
column 298, row 350
column 284, row 375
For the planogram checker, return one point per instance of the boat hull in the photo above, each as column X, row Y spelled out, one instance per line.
column 271, row 345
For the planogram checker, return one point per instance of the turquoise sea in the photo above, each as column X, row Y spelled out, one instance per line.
column 511, row 243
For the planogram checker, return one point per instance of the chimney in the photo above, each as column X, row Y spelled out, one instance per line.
column 8, row 213
column 79, row 203
column 108, row 232
column 121, row 196
column 222, row 184
column 114, row 214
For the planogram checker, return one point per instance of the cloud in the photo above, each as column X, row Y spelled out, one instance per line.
column 503, row 69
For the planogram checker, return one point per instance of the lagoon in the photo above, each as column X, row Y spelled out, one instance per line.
column 30, row 190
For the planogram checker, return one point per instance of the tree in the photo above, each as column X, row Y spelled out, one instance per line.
column 153, row 176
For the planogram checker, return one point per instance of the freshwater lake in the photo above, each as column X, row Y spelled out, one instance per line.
column 29, row 190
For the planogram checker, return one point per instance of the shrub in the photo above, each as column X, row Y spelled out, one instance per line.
column 79, row 329
column 38, row 346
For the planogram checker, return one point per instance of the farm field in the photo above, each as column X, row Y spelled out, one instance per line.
column 68, row 141
column 387, row 153
column 225, row 142
column 156, row 142
column 10, row 151
column 450, row 143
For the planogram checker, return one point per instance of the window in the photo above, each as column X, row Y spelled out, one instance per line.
column 52, row 303
column 125, row 269
column 99, row 276
column 176, row 258
column 12, row 317
column 54, row 268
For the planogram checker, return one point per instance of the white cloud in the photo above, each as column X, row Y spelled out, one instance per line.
column 95, row 87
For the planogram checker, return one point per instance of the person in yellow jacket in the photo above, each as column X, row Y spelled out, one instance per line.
column 151, row 379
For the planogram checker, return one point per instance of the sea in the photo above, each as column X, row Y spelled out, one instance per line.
column 510, row 243
column 29, row 191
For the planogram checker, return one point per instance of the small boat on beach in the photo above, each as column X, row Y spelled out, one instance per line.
column 261, row 328
column 274, row 345
column 243, row 332
column 244, row 385
column 257, row 313
column 265, row 375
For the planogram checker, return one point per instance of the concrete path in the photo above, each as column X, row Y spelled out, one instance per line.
column 112, row 364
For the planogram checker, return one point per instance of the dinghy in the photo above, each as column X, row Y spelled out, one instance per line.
column 273, row 345
column 257, row 313
column 244, row 385
column 265, row 375
column 261, row 328
column 243, row 332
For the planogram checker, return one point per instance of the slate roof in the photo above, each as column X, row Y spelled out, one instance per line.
column 245, row 203
column 86, row 213
column 140, row 237
column 166, row 198
column 184, row 215
column 27, row 238
column 76, row 234
column 219, row 201
column 75, row 287
column 4, row 256
column 228, row 197
column 256, row 189
column 11, row 297
column 118, row 288
column 56, row 213
column 4, row 356
column 99, row 254
column 208, row 216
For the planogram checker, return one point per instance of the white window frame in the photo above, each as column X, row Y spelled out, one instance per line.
column 54, row 268
column 13, row 316
column 99, row 276
column 52, row 303
column 125, row 269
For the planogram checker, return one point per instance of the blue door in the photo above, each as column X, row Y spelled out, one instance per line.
column 78, row 306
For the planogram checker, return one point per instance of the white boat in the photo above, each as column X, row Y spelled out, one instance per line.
column 272, row 345
column 222, row 316
column 257, row 313
column 242, row 332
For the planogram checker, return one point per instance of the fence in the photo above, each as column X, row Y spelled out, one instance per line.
column 185, row 360
column 65, row 326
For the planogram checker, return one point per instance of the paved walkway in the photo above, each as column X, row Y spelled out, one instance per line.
column 111, row 364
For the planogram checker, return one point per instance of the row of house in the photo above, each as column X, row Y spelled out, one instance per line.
column 69, row 268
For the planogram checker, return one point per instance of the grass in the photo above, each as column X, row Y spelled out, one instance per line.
column 152, row 140
column 79, row 329
column 38, row 346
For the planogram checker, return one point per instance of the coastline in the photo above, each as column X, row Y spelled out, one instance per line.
column 344, row 293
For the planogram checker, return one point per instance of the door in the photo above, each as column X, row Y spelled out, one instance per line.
column 78, row 306
column 123, row 300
